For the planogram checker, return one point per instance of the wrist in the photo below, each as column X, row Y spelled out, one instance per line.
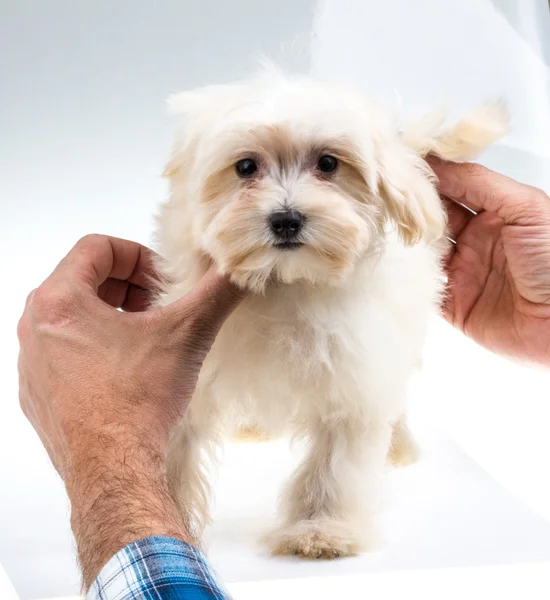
column 118, row 496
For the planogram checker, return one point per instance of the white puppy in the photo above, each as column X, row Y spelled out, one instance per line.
column 307, row 194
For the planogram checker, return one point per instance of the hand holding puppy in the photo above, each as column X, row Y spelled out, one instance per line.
column 104, row 388
column 499, row 269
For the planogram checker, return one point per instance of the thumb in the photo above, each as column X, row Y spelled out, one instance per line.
column 206, row 307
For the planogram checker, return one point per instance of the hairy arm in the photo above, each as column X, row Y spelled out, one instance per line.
column 119, row 496
column 104, row 388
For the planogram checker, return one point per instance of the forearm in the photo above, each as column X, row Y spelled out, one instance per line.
column 121, row 497
column 104, row 388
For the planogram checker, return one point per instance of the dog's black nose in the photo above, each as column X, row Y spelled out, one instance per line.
column 286, row 224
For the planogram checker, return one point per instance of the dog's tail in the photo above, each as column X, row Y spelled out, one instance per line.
column 478, row 130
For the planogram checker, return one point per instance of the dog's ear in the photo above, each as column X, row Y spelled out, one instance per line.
column 205, row 100
column 192, row 101
column 407, row 182
column 406, row 185
column 195, row 107
column 183, row 104
column 179, row 161
column 465, row 140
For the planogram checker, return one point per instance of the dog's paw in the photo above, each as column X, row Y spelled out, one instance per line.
column 315, row 539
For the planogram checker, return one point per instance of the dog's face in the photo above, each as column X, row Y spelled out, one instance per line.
column 295, row 181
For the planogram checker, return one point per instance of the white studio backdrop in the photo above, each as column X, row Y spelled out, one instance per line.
column 422, row 54
column 83, row 137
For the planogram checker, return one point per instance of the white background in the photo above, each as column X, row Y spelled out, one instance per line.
column 83, row 136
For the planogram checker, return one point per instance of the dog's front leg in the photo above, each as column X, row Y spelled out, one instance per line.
column 328, row 506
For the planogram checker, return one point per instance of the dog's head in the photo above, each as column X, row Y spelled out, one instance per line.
column 294, row 179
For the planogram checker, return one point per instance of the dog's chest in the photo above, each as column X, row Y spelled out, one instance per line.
column 261, row 338
column 271, row 351
column 297, row 347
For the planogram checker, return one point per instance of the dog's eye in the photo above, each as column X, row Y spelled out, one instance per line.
column 246, row 167
column 327, row 163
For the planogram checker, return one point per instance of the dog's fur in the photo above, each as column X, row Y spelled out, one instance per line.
column 326, row 342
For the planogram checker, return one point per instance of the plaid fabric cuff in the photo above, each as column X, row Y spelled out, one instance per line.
column 157, row 568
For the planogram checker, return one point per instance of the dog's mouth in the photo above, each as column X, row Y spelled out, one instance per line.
column 288, row 245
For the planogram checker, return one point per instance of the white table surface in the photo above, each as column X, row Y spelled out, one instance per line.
column 445, row 511
column 509, row 582
column 447, row 523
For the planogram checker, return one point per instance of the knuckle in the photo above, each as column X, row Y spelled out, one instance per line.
column 51, row 301
column 41, row 300
column 532, row 202
column 22, row 327
column 90, row 243
column 540, row 196
column 91, row 239
column 29, row 298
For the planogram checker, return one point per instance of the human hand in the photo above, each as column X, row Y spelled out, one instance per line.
column 499, row 268
column 103, row 388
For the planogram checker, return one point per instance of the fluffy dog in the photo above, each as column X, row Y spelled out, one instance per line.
column 308, row 195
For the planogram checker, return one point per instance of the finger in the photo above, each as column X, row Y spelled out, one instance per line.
column 458, row 217
column 481, row 189
column 124, row 295
column 96, row 258
column 208, row 304
column 29, row 299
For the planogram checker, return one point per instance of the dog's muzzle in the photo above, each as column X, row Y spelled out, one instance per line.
column 286, row 226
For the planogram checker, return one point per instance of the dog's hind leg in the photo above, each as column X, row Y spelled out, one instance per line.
column 403, row 449
column 250, row 433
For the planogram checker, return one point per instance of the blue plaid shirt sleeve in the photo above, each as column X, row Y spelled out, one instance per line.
column 157, row 568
